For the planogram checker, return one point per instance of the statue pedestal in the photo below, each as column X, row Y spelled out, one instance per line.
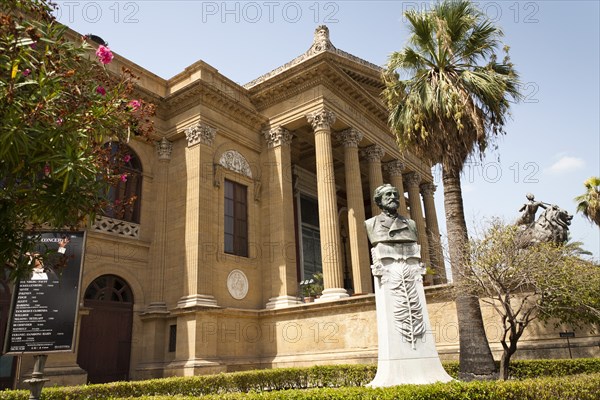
column 407, row 352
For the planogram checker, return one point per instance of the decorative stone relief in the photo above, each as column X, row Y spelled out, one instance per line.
column 350, row 137
column 321, row 41
column 218, row 175
column 277, row 137
column 200, row 133
column 257, row 192
column 401, row 278
column 236, row 162
column 237, row 284
column 164, row 148
column 322, row 119
column 373, row 153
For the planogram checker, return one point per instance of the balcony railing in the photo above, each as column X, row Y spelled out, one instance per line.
column 116, row 227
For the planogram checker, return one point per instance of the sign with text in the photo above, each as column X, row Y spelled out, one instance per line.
column 44, row 306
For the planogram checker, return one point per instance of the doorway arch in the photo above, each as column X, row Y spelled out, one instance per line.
column 105, row 335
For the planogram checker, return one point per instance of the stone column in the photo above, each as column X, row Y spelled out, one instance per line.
column 199, row 208
column 282, row 240
column 416, row 213
column 333, row 274
column 158, row 259
column 359, row 247
column 374, row 154
column 435, row 243
column 395, row 168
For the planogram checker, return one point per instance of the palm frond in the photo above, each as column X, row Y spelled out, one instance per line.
column 588, row 203
column 450, row 97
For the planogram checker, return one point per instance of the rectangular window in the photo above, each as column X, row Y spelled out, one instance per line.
column 172, row 338
column 236, row 219
column 311, row 237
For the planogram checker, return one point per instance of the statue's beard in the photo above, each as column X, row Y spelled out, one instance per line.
column 390, row 208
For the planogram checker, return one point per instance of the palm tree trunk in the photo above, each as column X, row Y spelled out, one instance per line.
column 475, row 359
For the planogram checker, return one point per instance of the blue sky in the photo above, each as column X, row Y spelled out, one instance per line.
column 553, row 138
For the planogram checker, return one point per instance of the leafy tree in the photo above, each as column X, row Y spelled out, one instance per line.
column 59, row 105
column 589, row 203
column 524, row 282
column 448, row 98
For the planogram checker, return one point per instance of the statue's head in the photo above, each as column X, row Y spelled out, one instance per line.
column 530, row 196
column 558, row 216
column 321, row 33
column 387, row 197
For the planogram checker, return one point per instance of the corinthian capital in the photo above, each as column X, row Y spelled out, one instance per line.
column 322, row 119
column 200, row 133
column 394, row 167
column 413, row 179
column 277, row 136
column 350, row 137
column 428, row 189
column 373, row 153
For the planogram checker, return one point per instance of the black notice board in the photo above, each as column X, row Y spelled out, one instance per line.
column 44, row 307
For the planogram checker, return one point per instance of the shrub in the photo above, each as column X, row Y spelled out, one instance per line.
column 286, row 379
column 581, row 387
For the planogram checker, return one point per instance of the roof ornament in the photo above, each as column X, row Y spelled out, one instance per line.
column 321, row 41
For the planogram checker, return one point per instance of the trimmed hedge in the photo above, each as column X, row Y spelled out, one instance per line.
column 267, row 380
column 579, row 387
column 521, row 369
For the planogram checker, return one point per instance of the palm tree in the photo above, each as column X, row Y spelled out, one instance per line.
column 589, row 203
column 448, row 98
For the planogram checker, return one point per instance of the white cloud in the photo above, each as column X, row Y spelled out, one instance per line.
column 467, row 188
column 566, row 164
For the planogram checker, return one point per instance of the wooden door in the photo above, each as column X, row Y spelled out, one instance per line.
column 105, row 336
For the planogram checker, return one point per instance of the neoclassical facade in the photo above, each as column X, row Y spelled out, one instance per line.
column 244, row 193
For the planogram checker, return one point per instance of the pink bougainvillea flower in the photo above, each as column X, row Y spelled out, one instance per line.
column 59, row 121
column 123, row 178
column 134, row 105
column 26, row 72
column 101, row 90
column 126, row 158
column 104, row 54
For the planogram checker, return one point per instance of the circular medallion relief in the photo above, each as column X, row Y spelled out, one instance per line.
column 237, row 284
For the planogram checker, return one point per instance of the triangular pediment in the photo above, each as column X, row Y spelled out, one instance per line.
column 322, row 64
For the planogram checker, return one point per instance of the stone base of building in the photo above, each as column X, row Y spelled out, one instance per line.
column 321, row 333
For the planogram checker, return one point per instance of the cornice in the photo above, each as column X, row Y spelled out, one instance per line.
column 294, row 81
column 201, row 92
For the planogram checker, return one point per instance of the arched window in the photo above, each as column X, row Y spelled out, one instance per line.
column 124, row 197
column 109, row 288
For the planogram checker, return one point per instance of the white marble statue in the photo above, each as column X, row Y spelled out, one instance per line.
column 407, row 353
